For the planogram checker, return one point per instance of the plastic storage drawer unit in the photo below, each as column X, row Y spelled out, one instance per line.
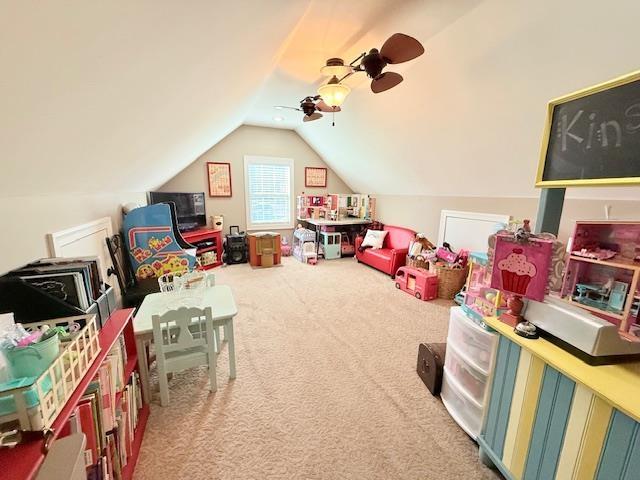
column 462, row 408
column 469, row 377
column 471, row 338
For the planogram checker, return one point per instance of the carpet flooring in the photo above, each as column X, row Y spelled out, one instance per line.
column 326, row 387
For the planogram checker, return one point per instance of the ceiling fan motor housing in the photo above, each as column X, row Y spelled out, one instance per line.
column 373, row 63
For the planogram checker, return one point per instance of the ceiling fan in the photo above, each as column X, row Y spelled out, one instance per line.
column 311, row 107
column 398, row 48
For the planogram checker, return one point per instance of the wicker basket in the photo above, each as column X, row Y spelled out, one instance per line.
column 450, row 280
column 418, row 262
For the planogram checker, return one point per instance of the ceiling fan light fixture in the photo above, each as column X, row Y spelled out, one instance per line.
column 334, row 93
column 336, row 67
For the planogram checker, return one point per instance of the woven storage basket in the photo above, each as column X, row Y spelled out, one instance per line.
column 450, row 280
column 418, row 262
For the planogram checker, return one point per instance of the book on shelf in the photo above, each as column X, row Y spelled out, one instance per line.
column 108, row 414
column 76, row 281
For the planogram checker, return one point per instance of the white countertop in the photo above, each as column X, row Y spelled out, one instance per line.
column 346, row 221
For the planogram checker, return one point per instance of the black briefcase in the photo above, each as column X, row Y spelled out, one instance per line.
column 431, row 365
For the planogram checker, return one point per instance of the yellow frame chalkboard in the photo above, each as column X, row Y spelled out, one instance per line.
column 616, row 82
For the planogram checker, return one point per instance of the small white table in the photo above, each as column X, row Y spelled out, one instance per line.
column 223, row 307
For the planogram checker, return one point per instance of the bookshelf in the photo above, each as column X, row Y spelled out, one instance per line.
column 206, row 240
column 24, row 460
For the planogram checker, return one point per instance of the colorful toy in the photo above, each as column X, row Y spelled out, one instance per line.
column 418, row 282
column 330, row 242
column 602, row 274
column 480, row 300
column 346, row 246
column 304, row 244
column 285, row 248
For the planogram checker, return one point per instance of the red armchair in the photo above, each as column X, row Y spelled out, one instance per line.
column 393, row 253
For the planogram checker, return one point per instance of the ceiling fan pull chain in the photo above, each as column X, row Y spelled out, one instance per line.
column 333, row 118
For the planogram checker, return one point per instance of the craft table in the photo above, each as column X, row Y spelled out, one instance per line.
column 552, row 416
column 319, row 224
column 219, row 298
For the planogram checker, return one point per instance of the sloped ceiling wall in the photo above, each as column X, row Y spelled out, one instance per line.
column 100, row 96
column 468, row 118
column 120, row 96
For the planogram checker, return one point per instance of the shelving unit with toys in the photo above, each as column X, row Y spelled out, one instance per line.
column 603, row 273
column 209, row 246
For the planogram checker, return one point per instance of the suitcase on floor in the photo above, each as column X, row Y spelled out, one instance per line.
column 430, row 365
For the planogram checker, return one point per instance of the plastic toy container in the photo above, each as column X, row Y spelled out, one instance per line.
column 469, row 337
column 466, row 374
column 461, row 407
column 33, row 402
column 32, row 360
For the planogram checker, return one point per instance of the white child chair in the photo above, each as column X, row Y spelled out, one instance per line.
column 184, row 338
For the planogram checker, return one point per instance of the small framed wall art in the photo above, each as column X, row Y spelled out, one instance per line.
column 315, row 177
column 219, row 176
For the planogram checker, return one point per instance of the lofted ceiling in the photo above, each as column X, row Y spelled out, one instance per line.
column 103, row 96
column 120, row 96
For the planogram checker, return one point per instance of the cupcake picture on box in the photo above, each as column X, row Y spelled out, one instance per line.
column 521, row 268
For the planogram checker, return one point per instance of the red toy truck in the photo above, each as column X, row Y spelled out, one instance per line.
column 418, row 282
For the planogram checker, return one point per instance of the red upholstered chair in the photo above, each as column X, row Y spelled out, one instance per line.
column 393, row 253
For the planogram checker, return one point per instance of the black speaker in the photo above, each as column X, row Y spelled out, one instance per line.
column 235, row 247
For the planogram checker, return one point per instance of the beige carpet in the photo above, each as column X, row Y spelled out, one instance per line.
column 326, row 387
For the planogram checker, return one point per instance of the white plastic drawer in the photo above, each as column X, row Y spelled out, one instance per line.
column 470, row 338
column 461, row 408
column 466, row 375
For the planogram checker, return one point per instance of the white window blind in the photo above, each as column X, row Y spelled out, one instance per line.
column 269, row 192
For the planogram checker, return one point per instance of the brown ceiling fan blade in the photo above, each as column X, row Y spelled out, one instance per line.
column 312, row 117
column 323, row 107
column 401, row 48
column 385, row 81
column 283, row 107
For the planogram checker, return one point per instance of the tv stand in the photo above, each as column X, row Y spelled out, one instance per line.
column 209, row 235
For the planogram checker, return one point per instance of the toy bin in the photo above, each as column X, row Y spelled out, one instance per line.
column 49, row 374
column 32, row 360
column 471, row 338
column 465, row 411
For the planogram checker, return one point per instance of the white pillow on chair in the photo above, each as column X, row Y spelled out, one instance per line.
column 374, row 238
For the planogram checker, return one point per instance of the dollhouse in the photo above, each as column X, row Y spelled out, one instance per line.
column 603, row 272
column 335, row 207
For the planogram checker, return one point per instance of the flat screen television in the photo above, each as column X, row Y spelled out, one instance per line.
column 189, row 208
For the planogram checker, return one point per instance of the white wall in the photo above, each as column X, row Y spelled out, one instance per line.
column 468, row 118
column 422, row 213
column 27, row 220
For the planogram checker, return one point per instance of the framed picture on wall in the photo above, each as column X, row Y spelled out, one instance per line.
column 315, row 177
column 219, row 176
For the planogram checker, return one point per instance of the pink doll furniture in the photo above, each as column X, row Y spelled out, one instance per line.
column 393, row 253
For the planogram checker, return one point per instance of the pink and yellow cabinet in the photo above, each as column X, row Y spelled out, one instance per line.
column 603, row 273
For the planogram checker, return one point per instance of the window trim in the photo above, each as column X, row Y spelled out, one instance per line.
column 261, row 160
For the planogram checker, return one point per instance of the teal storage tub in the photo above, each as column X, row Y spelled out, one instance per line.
column 32, row 360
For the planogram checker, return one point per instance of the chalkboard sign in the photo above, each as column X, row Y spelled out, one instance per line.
column 592, row 137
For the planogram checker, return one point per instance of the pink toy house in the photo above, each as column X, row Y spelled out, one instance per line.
column 603, row 272
column 418, row 282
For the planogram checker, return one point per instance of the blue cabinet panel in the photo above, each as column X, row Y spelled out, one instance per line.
column 554, row 405
column 504, row 379
column 620, row 458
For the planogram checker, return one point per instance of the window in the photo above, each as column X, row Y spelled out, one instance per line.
column 269, row 192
